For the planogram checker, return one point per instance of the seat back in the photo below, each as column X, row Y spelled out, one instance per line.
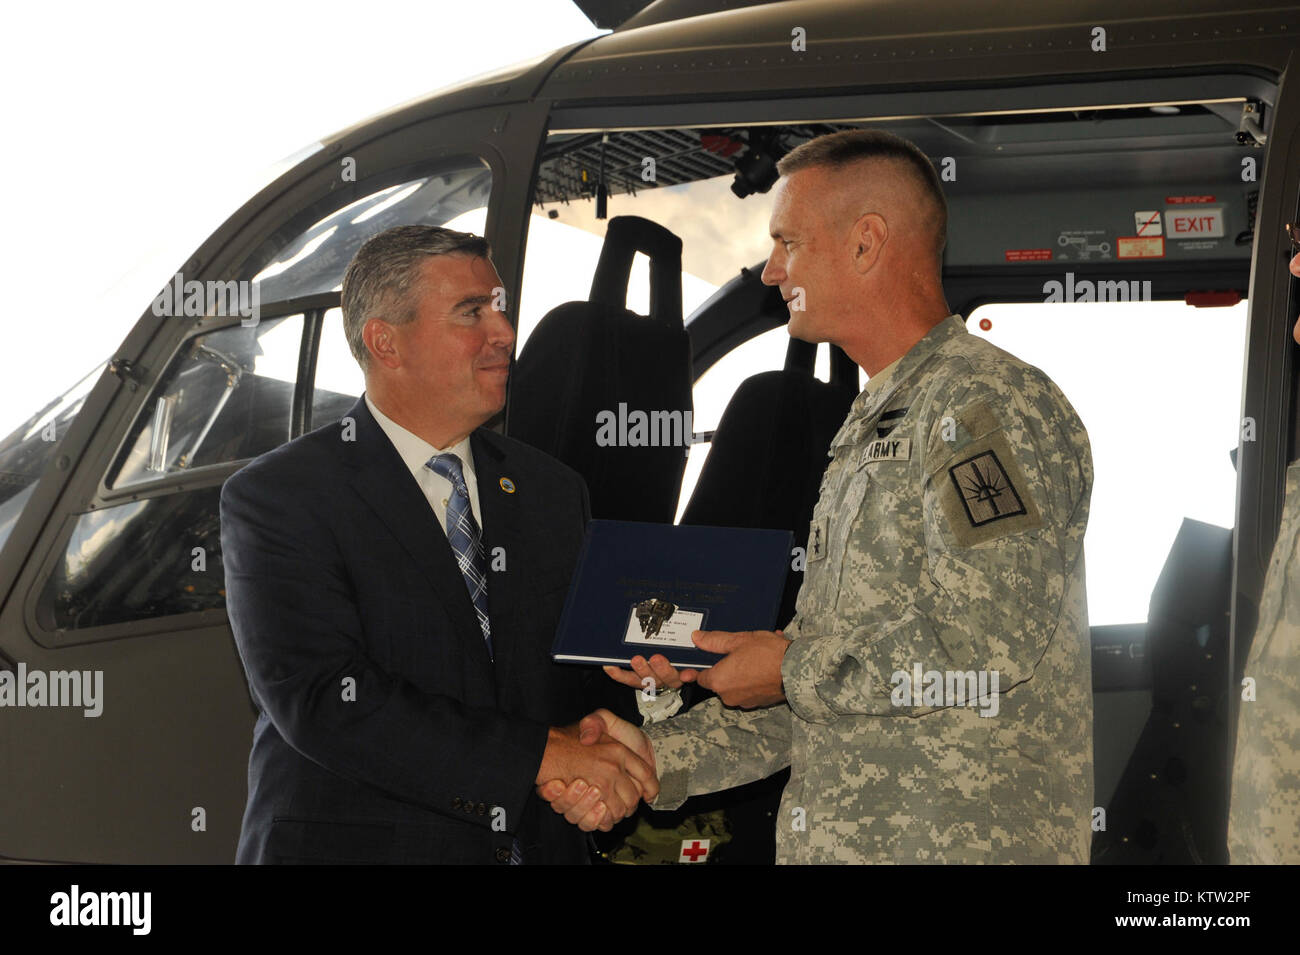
column 1170, row 802
column 769, row 451
column 608, row 391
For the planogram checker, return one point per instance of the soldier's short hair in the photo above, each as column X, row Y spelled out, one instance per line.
column 380, row 279
column 837, row 150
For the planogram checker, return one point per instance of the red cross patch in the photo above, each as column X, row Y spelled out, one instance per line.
column 694, row 850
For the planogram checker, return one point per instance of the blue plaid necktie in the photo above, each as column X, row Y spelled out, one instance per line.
column 467, row 544
column 465, row 539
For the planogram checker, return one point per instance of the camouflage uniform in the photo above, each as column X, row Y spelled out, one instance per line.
column 951, row 524
column 1264, row 822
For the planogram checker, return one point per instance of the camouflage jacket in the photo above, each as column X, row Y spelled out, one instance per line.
column 1264, row 821
column 946, row 550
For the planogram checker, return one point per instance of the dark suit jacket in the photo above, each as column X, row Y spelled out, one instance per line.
column 384, row 732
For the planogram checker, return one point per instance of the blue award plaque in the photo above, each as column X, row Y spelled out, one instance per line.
column 642, row 589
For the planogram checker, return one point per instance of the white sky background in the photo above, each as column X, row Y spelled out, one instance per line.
column 1160, row 428
column 132, row 130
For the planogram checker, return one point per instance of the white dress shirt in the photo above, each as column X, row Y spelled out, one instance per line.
column 416, row 453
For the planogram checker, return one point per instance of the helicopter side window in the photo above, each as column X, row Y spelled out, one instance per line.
column 455, row 195
column 339, row 380
column 227, row 396
column 150, row 558
column 27, row 452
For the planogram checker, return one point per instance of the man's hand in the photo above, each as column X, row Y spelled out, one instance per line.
column 582, row 804
column 657, row 668
column 749, row 675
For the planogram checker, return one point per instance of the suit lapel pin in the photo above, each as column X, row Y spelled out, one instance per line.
column 507, row 485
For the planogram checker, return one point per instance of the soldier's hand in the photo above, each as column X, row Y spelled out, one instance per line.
column 657, row 668
column 749, row 675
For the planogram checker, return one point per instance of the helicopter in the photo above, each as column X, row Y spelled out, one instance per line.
column 623, row 183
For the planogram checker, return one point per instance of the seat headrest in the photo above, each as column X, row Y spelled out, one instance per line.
column 624, row 238
column 801, row 356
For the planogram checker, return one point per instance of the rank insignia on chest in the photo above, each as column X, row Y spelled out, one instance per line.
column 889, row 421
column 817, row 531
column 985, row 490
column 886, row 449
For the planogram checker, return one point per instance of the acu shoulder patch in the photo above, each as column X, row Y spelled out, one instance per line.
column 984, row 493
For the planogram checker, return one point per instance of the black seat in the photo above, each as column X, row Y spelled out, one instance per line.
column 1170, row 803
column 589, row 358
column 769, row 451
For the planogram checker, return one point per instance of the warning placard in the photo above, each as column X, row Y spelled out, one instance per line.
column 1140, row 247
column 1029, row 255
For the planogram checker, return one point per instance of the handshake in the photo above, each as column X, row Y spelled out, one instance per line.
column 595, row 772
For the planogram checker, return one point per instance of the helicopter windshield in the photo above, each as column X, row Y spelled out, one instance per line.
column 28, row 451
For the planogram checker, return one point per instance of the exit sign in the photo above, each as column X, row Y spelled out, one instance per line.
column 1194, row 223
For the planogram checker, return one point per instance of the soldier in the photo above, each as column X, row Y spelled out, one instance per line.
column 933, row 694
column 1264, row 819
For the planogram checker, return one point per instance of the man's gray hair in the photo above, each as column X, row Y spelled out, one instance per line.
column 854, row 145
column 382, row 274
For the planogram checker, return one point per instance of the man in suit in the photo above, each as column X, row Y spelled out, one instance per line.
column 394, row 581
